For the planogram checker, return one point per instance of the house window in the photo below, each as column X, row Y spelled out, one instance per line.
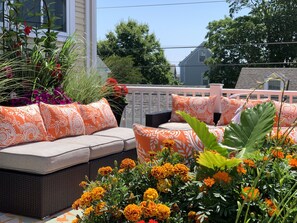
column 274, row 85
column 31, row 10
column 202, row 56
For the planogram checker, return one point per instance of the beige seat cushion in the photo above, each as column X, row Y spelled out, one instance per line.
column 125, row 134
column 100, row 146
column 175, row 126
column 43, row 157
column 182, row 126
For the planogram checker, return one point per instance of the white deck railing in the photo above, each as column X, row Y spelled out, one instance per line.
column 148, row 99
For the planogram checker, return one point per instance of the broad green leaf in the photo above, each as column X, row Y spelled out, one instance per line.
column 215, row 160
column 249, row 134
column 208, row 139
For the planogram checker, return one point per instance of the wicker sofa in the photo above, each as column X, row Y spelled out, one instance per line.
column 41, row 178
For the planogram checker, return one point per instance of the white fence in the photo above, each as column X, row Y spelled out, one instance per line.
column 149, row 99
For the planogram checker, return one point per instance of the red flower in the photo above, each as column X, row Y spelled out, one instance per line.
column 111, row 81
column 117, row 90
column 27, row 29
column 57, row 72
column 152, row 221
column 124, row 89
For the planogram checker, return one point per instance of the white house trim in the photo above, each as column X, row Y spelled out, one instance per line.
column 88, row 33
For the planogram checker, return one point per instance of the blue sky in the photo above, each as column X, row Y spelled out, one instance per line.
column 173, row 26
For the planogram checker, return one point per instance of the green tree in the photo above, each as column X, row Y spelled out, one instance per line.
column 252, row 40
column 134, row 40
column 123, row 69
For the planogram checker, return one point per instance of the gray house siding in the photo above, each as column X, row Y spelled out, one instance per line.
column 192, row 68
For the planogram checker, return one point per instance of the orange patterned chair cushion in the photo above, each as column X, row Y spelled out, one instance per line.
column 288, row 113
column 21, row 125
column 150, row 139
column 62, row 120
column 200, row 107
column 229, row 107
column 97, row 116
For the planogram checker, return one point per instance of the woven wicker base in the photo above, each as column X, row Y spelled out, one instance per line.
column 38, row 196
column 110, row 161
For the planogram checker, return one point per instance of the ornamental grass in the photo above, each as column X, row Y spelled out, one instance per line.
column 250, row 181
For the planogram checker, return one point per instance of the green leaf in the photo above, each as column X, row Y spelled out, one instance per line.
column 215, row 160
column 250, row 133
column 208, row 139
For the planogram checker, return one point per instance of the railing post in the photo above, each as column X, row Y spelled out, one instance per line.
column 216, row 89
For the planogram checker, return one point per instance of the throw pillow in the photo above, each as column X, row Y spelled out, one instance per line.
column 97, row 116
column 288, row 114
column 200, row 107
column 20, row 125
column 62, row 120
column 150, row 139
column 229, row 107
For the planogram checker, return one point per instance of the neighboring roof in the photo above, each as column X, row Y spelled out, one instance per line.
column 201, row 46
column 102, row 68
column 250, row 77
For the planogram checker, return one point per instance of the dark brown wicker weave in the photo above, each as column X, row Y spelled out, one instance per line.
column 110, row 161
column 38, row 196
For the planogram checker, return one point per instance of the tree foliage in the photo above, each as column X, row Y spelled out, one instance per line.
column 253, row 39
column 123, row 69
column 134, row 40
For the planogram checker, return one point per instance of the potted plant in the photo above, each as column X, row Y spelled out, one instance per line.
column 115, row 94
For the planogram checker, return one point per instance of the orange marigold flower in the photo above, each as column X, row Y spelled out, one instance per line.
column 265, row 158
column 127, row 164
column 83, row 184
column 88, row 210
column 75, row 220
column 98, row 193
column 240, row 169
column 250, row 193
column 209, row 181
column 293, row 162
column 270, row 206
column 150, row 194
column 85, row 199
column 277, row 153
column 149, row 209
column 158, row 172
column 181, row 169
column 192, row 215
column 103, row 171
column 121, row 170
column 163, row 212
column 168, row 142
column 98, row 209
column 164, row 185
column 168, row 169
column 249, row 162
column 152, row 154
column 222, row 176
column 76, row 204
column 289, row 156
column 132, row 212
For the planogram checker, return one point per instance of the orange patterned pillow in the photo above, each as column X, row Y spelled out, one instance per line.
column 200, row 107
column 288, row 114
column 97, row 116
column 150, row 139
column 62, row 120
column 21, row 125
column 229, row 107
